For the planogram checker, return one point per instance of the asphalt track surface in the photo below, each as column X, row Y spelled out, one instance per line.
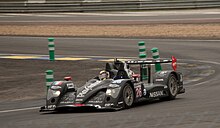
column 199, row 107
column 150, row 17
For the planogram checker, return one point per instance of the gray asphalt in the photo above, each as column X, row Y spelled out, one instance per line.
column 198, row 107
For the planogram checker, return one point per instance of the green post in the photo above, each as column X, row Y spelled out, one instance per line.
column 51, row 48
column 155, row 55
column 142, row 49
column 143, row 56
column 49, row 78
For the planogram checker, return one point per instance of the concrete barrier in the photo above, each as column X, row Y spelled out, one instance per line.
column 102, row 5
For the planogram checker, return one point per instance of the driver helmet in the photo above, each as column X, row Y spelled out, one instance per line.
column 103, row 75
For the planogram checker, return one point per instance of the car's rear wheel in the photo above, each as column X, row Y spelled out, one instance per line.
column 172, row 86
column 128, row 96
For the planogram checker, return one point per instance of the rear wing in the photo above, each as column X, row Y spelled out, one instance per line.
column 149, row 61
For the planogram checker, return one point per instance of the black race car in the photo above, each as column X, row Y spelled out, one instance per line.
column 120, row 90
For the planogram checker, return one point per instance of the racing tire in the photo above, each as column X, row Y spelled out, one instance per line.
column 128, row 96
column 172, row 88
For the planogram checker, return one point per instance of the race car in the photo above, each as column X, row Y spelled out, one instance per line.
column 119, row 88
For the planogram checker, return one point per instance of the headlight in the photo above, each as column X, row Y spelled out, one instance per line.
column 52, row 93
column 56, row 93
column 108, row 92
column 113, row 92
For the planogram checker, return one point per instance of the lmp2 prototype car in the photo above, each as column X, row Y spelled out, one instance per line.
column 120, row 90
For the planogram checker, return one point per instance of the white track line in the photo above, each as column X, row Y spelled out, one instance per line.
column 203, row 61
column 5, row 16
column 21, row 109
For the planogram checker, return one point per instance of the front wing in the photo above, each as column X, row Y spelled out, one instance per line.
column 77, row 106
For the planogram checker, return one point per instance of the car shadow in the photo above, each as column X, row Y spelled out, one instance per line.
column 93, row 110
column 78, row 110
column 151, row 102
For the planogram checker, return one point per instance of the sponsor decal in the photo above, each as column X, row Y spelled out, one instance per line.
column 117, row 81
column 156, row 94
column 87, row 89
column 67, row 102
column 79, row 99
column 80, row 95
column 109, row 104
column 97, row 106
column 51, row 106
column 138, row 91
column 121, row 102
column 159, row 80
column 70, row 85
column 95, row 101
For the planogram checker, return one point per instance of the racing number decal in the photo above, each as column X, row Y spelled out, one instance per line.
column 138, row 91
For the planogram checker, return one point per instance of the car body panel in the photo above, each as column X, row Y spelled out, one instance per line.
column 108, row 94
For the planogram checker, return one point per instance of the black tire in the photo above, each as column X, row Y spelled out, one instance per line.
column 128, row 96
column 172, row 86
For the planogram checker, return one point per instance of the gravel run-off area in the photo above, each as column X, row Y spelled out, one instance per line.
column 197, row 31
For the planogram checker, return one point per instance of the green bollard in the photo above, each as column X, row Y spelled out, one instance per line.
column 49, row 78
column 51, row 48
column 143, row 56
column 142, row 48
column 155, row 55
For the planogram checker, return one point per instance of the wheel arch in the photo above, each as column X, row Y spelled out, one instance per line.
column 173, row 73
column 164, row 75
column 129, row 82
column 132, row 86
column 123, row 85
column 178, row 77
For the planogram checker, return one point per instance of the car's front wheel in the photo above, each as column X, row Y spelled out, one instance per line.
column 128, row 96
